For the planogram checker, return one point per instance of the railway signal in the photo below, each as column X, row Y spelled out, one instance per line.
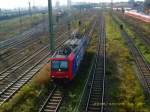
column 69, row 26
column 79, row 23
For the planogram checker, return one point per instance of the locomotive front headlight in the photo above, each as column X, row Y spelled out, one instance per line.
column 59, row 70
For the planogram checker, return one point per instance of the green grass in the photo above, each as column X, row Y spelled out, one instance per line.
column 124, row 89
column 142, row 25
column 142, row 47
column 12, row 27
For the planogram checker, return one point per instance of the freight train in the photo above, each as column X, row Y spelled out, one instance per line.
column 65, row 61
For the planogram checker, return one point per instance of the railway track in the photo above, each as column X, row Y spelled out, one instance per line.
column 93, row 97
column 96, row 93
column 139, row 32
column 142, row 64
column 13, row 72
column 15, row 85
column 23, row 40
column 12, row 60
column 19, row 39
column 21, row 54
column 25, row 77
column 19, row 67
column 53, row 101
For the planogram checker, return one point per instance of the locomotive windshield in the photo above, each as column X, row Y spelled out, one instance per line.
column 59, row 65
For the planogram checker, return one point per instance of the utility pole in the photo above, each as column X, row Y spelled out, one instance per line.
column 20, row 19
column 69, row 3
column 51, row 32
column 0, row 12
column 112, row 5
column 30, row 13
column 44, row 22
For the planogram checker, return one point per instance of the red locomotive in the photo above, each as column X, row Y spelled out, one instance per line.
column 65, row 61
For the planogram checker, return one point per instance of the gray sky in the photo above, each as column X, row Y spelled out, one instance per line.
column 24, row 3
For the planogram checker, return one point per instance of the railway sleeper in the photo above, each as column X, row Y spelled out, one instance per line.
column 52, row 103
column 15, row 67
column 47, row 110
column 1, row 100
column 26, row 78
column 6, row 73
column 57, row 94
column 13, row 88
column 35, row 70
column 7, row 93
column 56, row 97
column 23, row 81
column 96, row 87
column 94, row 108
column 54, row 100
column 95, row 104
column 145, row 72
column 32, row 72
column 51, row 107
column 4, row 96
column 17, row 86
column 96, row 91
column 99, row 72
column 98, row 76
column 100, row 67
column 96, row 95
column 97, row 82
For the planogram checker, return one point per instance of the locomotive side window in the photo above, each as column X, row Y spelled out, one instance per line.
column 59, row 65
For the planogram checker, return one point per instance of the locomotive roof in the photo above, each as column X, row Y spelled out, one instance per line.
column 69, row 46
column 72, row 42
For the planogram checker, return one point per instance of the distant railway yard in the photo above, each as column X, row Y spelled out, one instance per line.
column 106, row 67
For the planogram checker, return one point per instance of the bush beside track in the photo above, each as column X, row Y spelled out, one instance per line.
column 123, row 90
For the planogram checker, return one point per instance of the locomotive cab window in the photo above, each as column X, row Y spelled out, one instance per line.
column 59, row 65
